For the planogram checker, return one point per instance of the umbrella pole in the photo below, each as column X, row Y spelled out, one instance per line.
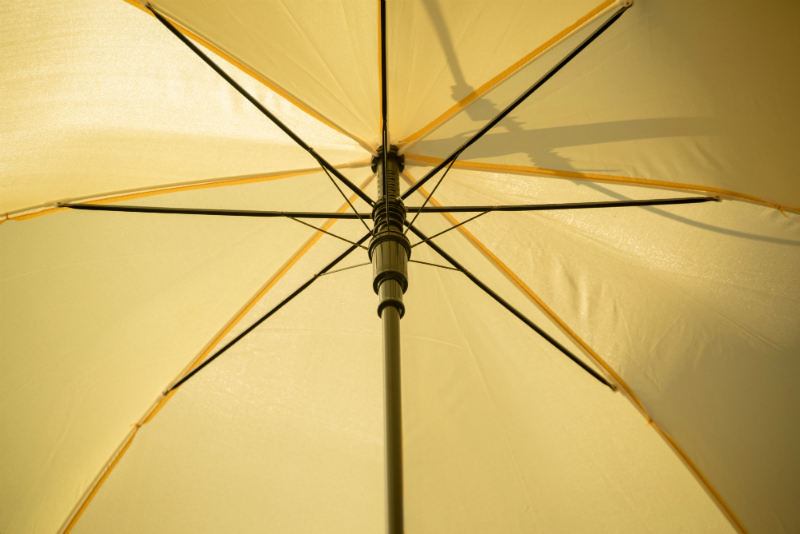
column 389, row 252
column 394, row 420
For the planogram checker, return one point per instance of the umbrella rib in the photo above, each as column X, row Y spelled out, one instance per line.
column 224, row 213
column 512, row 309
column 346, row 199
column 346, row 268
column 571, row 206
column 425, row 209
column 269, row 314
column 434, row 265
column 327, row 232
column 491, row 124
column 430, row 194
column 322, row 161
column 447, row 230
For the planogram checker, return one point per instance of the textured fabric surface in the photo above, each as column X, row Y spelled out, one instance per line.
column 693, row 307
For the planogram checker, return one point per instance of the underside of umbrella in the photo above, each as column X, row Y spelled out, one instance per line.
column 577, row 222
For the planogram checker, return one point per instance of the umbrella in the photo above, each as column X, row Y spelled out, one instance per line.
column 610, row 345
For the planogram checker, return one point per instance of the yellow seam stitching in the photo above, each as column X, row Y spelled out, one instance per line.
column 100, row 482
column 698, row 474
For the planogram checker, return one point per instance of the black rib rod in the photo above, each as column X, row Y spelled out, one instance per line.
column 430, row 195
column 384, row 109
column 318, row 229
column 267, row 315
column 512, row 309
column 224, row 213
column 426, row 209
column 346, row 199
column 491, row 124
column 433, row 265
column 346, row 268
column 571, row 206
column 353, row 187
column 434, row 236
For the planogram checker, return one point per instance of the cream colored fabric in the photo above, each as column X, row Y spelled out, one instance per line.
column 694, row 306
column 99, row 98
column 694, row 92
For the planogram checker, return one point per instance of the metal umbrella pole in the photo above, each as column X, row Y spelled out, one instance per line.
column 389, row 252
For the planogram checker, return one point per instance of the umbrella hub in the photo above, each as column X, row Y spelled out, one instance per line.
column 389, row 249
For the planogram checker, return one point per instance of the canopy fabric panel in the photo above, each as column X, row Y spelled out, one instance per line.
column 695, row 93
column 324, row 54
column 502, row 432
column 100, row 99
column 678, row 302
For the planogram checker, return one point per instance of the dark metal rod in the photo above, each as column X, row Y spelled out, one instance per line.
column 448, row 230
column 384, row 107
column 433, row 264
column 491, row 124
column 227, row 213
column 269, row 314
column 346, row 268
column 571, row 206
column 427, row 198
column 426, row 209
column 322, row 161
column 393, row 425
column 360, row 218
column 512, row 309
column 326, row 232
